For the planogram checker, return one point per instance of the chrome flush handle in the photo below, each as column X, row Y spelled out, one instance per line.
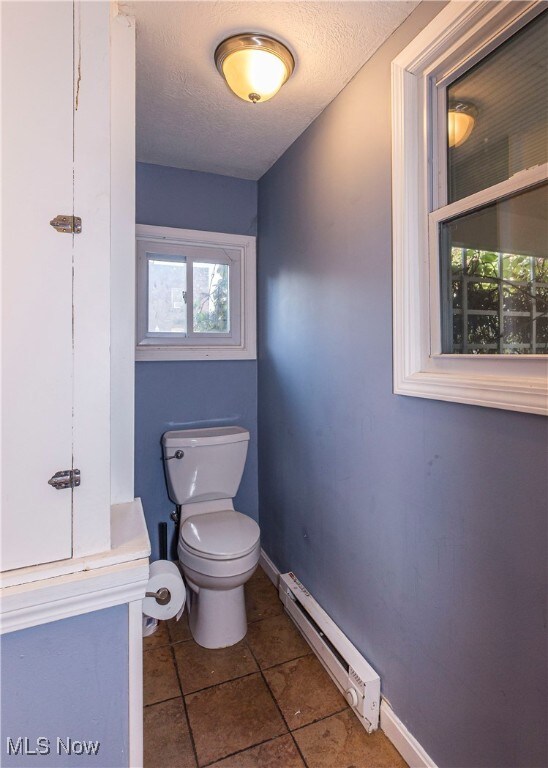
column 177, row 455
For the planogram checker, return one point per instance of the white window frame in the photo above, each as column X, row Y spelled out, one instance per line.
column 461, row 35
column 240, row 343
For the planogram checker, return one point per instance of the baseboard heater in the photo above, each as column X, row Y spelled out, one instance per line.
column 355, row 678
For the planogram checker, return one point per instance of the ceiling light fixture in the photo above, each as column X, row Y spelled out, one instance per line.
column 461, row 118
column 254, row 66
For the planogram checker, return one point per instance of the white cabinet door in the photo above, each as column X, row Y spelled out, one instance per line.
column 37, row 280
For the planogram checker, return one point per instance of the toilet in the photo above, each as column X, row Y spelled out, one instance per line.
column 218, row 547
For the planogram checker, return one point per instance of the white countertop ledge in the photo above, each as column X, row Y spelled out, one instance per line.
column 48, row 592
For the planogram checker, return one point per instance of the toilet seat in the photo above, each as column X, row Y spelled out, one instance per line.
column 221, row 535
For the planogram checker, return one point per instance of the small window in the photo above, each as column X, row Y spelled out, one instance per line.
column 195, row 295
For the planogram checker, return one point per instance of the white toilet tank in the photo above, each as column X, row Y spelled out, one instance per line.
column 210, row 464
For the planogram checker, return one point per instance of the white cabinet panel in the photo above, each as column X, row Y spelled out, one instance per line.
column 91, row 435
column 37, row 357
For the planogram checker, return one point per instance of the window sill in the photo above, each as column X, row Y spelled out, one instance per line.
column 514, row 393
column 151, row 353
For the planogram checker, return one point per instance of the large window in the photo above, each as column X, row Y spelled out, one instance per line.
column 470, row 103
column 195, row 295
column 494, row 259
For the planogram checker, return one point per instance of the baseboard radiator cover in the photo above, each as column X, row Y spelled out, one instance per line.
column 352, row 674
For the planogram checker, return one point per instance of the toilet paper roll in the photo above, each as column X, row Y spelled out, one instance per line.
column 164, row 574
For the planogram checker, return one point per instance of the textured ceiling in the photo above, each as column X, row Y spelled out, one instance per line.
column 187, row 117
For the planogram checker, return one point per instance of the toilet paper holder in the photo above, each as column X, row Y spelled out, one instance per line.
column 163, row 595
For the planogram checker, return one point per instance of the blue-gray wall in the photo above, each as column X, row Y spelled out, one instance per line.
column 176, row 395
column 67, row 679
column 420, row 526
column 172, row 197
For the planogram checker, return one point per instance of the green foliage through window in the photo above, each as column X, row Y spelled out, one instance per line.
column 499, row 302
column 211, row 303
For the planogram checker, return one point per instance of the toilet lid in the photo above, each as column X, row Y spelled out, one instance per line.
column 223, row 534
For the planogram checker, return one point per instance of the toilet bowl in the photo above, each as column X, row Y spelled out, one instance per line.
column 218, row 552
column 218, row 547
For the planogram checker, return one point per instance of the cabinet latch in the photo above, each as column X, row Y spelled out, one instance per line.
column 68, row 478
column 70, row 224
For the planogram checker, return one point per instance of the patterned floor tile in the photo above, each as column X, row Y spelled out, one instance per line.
column 304, row 691
column 158, row 639
column 167, row 742
column 261, row 597
column 341, row 741
column 279, row 753
column 179, row 630
column 160, row 677
column 202, row 667
column 232, row 717
column 276, row 640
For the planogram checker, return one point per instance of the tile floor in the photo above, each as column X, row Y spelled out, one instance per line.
column 263, row 703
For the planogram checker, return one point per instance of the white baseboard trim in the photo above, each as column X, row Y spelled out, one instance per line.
column 269, row 568
column 406, row 744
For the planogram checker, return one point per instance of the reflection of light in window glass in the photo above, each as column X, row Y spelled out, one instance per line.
column 166, row 296
column 494, row 267
column 210, row 286
column 508, row 93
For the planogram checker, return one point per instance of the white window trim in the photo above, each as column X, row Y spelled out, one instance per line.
column 463, row 33
column 246, row 349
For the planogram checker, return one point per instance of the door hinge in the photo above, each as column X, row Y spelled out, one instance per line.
column 68, row 478
column 69, row 224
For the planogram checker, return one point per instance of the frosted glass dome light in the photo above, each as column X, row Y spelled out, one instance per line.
column 461, row 119
column 254, row 66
